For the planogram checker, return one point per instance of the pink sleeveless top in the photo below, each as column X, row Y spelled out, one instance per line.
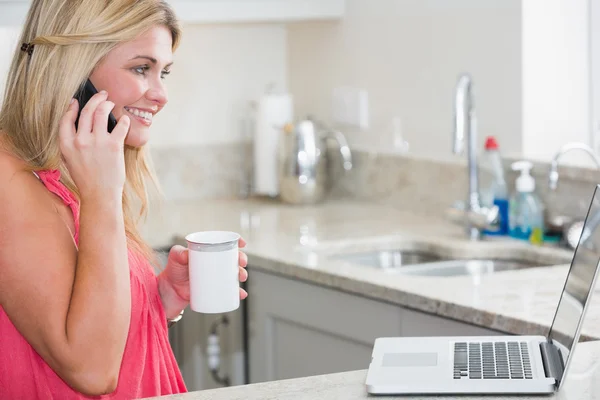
column 148, row 367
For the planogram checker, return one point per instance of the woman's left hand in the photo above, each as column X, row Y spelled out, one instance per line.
column 174, row 281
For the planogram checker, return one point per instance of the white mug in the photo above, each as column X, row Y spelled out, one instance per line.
column 214, row 271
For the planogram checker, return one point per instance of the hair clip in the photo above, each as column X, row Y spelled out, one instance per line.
column 27, row 48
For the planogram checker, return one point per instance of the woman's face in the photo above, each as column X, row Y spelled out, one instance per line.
column 133, row 75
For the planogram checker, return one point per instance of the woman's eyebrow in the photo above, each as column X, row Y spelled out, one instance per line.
column 151, row 59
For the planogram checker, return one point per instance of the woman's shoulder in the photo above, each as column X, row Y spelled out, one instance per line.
column 26, row 200
column 19, row 188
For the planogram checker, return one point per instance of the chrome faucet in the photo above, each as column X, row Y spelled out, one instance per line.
column 474, row 215
column 553, row 175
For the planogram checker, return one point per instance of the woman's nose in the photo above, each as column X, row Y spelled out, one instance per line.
column 158, row 95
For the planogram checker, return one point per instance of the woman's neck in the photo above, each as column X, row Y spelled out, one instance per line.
column 4, row 144
column 6, row 150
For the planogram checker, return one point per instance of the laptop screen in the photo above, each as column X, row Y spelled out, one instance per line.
column 580, row 279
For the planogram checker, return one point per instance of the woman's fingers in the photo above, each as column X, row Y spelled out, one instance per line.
column 243, row 274
column 122, row 129
column 86, row 118
column 94, row 160
column 243, row 259
column 101, row 117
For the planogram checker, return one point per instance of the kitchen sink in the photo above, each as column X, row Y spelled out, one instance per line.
column 390, row 258
column 428, row 262
column 466, row 267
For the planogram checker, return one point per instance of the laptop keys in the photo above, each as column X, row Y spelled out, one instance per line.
column 502, row 370
column 526, row 361
column 460, row 360
column 475, row 361
column 491, row 360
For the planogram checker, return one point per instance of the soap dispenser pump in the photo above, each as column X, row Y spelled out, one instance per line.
column 525, row 182
column 526, row 211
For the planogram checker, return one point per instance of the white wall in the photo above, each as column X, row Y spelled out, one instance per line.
column 595, row 70
column 218, row 70
column 9, row 37
column 529, row 60
column 408, row 54
column 556, row 77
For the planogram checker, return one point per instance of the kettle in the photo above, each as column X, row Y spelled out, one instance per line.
column 303, row 171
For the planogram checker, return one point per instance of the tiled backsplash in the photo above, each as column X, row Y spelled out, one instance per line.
column 432, row 186
column 201, row 170
column 405, row 182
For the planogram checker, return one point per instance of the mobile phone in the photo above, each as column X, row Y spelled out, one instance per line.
column 83, row 95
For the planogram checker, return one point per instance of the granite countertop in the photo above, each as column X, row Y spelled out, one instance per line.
column 582, row 383
column 297, row 242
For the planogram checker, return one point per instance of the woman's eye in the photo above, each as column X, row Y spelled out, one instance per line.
column 141, row 70
column 145, row 68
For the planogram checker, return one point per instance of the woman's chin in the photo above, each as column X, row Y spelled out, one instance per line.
column 137, row 137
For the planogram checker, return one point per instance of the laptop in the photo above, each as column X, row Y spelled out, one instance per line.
column 504, row 364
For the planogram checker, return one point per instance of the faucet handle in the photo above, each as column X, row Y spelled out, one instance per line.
column 480, row 217
column 491, row 216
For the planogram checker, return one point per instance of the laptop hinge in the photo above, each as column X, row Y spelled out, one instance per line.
column 552, row 360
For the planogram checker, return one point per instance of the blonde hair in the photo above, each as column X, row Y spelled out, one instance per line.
column 70, row 38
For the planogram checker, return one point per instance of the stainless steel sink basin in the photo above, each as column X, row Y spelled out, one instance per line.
column 389, row 258
column 465, row 267
column 436, row 263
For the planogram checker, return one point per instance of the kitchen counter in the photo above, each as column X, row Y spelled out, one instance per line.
column 582, row 383
column 296, row 242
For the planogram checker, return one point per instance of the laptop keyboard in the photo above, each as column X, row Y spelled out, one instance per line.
column 491, row 360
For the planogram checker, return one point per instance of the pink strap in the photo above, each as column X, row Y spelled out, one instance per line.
column 51, row 179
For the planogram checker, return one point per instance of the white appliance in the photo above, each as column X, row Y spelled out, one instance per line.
column 496, row 364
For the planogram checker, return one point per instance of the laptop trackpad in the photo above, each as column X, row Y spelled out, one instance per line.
column 409, row 360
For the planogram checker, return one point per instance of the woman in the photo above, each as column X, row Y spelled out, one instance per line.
column 81, row 311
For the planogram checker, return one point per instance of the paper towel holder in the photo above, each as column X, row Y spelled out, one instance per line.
column 273, row 110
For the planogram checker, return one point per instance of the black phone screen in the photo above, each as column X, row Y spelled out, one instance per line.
column 83, row 95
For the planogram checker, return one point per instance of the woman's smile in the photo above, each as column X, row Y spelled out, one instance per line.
column 144, row 116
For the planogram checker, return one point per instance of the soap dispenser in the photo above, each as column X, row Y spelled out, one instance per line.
column 526, row 211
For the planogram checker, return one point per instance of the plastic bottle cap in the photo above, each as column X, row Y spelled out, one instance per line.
column 525, row 182
column 491, row 143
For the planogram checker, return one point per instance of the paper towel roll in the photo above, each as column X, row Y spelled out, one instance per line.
column 273, row 112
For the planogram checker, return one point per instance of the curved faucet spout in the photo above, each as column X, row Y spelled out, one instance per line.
column 463, row 110
column 553, row 175
column 465, row 128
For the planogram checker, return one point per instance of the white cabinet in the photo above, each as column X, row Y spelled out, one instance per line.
column 301, row 329
column 12, row 12
column 214, row 11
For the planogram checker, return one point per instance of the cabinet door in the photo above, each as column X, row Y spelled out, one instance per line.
column 416, row 323
column 301, row 329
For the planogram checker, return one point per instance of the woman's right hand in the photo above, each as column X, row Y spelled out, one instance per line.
column 94, row 157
